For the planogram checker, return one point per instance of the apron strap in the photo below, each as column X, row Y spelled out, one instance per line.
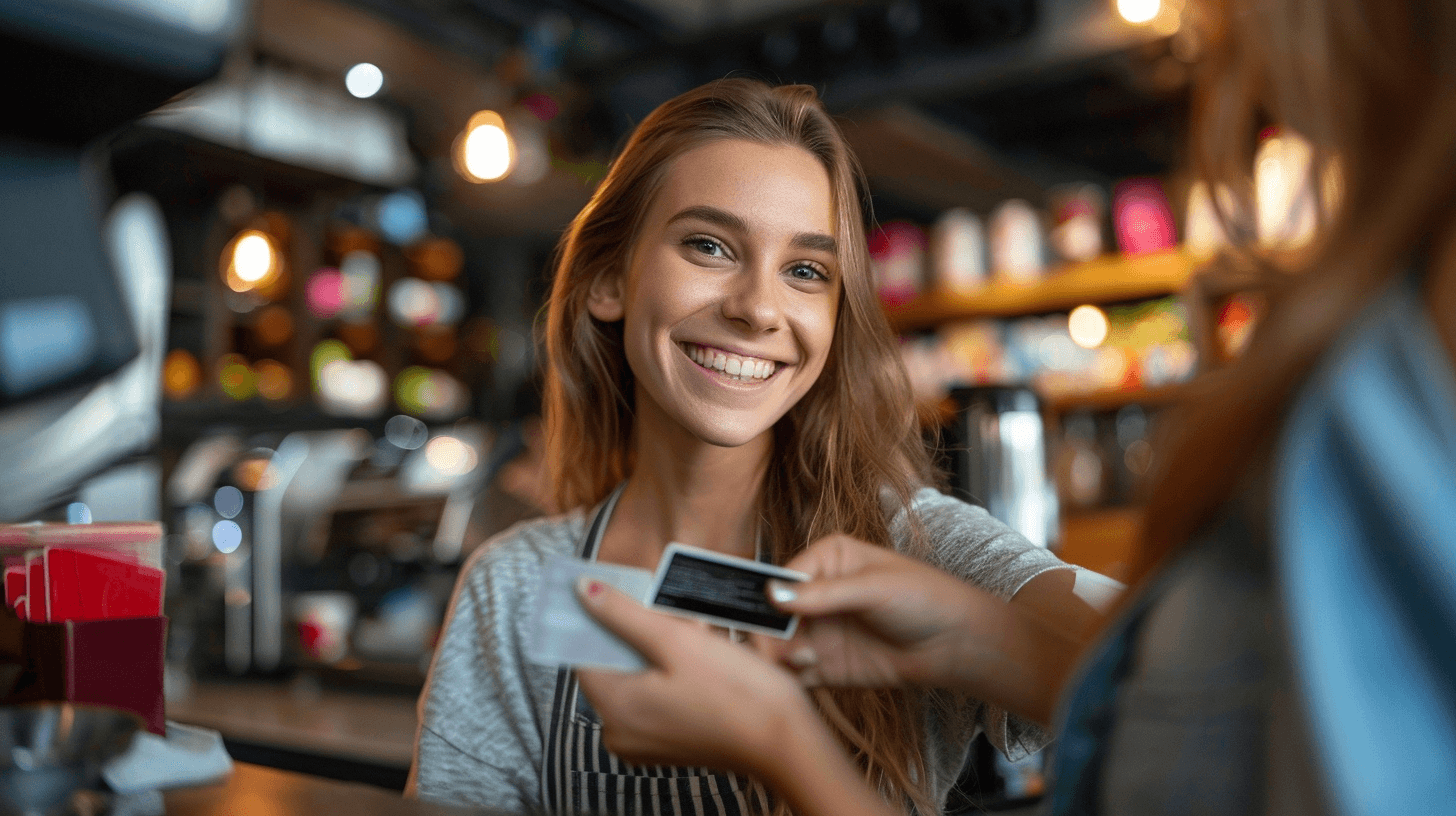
column 556, row 764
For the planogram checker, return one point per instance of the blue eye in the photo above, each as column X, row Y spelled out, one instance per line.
column 805, row 272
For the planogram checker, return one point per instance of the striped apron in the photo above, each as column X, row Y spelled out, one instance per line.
column 580, row 776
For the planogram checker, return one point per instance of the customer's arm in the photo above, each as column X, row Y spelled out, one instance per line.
column 876, row 618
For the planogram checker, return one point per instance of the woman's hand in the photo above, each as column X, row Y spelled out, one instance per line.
column 704, row 700
column 873, row 617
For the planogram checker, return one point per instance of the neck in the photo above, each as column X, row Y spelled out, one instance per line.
column 683, row 489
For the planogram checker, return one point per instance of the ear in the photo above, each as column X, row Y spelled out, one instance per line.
column 604, row 298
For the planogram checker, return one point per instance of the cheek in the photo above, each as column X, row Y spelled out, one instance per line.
column 817, row 330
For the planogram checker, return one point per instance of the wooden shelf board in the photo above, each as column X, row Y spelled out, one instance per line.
column 1107, row 399
column 1101, row 540
column 1109, row 279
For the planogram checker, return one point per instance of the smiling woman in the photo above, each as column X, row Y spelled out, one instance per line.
column 723, row 269
column 718, row 373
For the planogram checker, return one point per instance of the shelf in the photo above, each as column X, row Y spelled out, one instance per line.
column 1102, row 540
column 1108, row 399
column 1109, row 279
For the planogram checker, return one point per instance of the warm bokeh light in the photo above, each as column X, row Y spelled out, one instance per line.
column 252, row 257
column 450, row 456
column 1088, row 326
column 255, row 471
column 275, row 380
column 236, row 377
column 1138, row 12
column 251, row 261
column 484, row 151
column 181, row 374
column 364, row 80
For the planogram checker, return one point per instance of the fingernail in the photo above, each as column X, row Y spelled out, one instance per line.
column 782, row 592
column 588, row 587
column 803, row 657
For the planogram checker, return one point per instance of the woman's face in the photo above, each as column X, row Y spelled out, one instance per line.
column 731, row 292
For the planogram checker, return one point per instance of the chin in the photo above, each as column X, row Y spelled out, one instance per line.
column 727, row 432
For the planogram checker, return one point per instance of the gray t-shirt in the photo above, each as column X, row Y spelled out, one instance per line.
column 484, row 711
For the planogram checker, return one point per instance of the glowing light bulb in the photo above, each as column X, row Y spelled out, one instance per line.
column 252, row 257
column 364, row 80
column 485, row 152
column 1139, row 12
column 1088, row 326
column 252, row 261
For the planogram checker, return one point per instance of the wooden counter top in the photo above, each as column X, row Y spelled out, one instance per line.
column 377, row 729
column 260, row 791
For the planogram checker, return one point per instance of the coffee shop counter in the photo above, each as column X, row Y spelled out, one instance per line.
column 300, row 726
column 259, row 791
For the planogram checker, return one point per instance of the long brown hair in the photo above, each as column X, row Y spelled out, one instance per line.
column 853, row 434
column 1372, row 85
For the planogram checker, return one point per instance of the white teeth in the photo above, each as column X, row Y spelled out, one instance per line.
column 739, row 368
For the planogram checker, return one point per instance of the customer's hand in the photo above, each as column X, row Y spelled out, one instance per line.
column 704, row 700
column 873, row 617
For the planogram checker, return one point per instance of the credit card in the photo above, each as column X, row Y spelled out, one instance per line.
column 721, row 589
column 565, row 634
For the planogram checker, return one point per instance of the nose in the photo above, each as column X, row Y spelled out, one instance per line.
column 752, row 300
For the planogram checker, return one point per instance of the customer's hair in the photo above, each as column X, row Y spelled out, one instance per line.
column 852, row 435
column 1372, row 85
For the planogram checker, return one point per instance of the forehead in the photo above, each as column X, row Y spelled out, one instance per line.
column 772, row 188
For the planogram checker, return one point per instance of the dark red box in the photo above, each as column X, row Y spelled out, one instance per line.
column 115, row 663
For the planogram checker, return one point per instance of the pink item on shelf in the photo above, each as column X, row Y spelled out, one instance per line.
column 1141, row 217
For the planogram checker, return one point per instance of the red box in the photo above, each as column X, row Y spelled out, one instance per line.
column 115, row 663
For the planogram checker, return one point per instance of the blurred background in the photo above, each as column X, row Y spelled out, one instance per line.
column 297, row 323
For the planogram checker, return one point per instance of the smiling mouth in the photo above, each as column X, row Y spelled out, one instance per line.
column 732, row 366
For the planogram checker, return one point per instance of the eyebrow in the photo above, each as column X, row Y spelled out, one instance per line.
column 816, row 241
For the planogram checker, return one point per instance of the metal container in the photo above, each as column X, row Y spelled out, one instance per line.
column 998, row 459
